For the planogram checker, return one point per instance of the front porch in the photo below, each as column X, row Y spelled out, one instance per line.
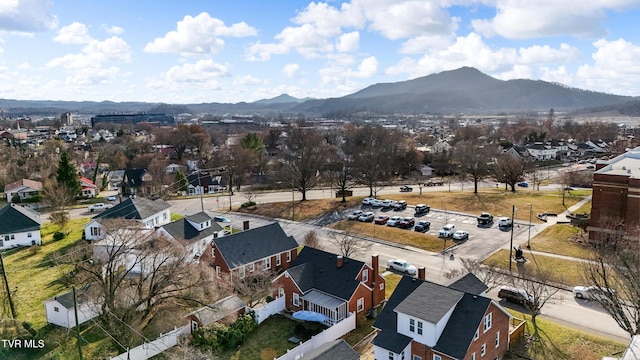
column 333, row 308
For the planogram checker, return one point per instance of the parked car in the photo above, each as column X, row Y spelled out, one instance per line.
column 112, row 198
column 594, row 293
column 485, row 219
column 447, row 231
column 375, row 203
column 366, row 217
column 367, row 201
column 515, row 295
column 355, row 215
column 523, row 184
column 422, row 226
column 394, row 221
column 381, row 219
column 402, row 265
column 505, row 222
column 400, row 205
column 591, row 167
column 221, row 219
column 406, row 188
column 99, row 207
column 407, row 223
column 460, row 235
column 422, row 209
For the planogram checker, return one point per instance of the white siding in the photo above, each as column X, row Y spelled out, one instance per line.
column 20, row 239
column 430, row 332
column 66, row 317
column 382, row 353
column 87, row 230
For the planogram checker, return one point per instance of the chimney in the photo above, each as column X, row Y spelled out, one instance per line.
column 374, row 265
column 421, row 273
column 339, row 261
column 245, row 225
column 375, row 293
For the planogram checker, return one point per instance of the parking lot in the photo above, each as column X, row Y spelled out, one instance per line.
column 482, row 240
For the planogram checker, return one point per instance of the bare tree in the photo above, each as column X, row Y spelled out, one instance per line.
column 508, row 169
column 486, row 274
column 311, row 239
column 350, row 245
column 59, row 198
column 136, row 273
column 473, row 160
column 537, row 283
column 341, row 177
column 614, row 271
column 255, row 286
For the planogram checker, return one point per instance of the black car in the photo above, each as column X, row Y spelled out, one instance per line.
column 515, row 295
column 422, row 226
column 485, row 219
column 422, row 209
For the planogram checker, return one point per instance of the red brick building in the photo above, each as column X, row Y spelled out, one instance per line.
column 238, row 255
column 330, row 284
column 616, row 197
column 426, row 321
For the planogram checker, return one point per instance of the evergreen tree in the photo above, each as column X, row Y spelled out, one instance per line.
column 182, row 184
column 67, row 175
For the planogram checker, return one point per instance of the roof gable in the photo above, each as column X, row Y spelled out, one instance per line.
column 469, row 283
column 33, row 184
column 15, row 218
column 182, row 229
column 138, row 209
column 430, row 302
column 251, row 245
column 317, row 269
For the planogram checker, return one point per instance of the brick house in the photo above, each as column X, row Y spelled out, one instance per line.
column 240, row 254
column 426, row 321
column 197, row 231
column 330, row 284
column 616, row 195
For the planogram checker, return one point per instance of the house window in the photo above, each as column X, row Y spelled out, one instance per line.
column 252, row 267
column 487, row 322
column 402, row 355
column 498, row 339
column 360, row 304
column 296, row 299
column 213, row 251
column 241, row 272
column 476, row 335
column 289, row 256
column 164, row 216
column 278, row 259
column 6, row 238
column 28, row 235
column 56, row 309
column 416, row 357
column 267, row 263
column 473, row 356
column 391, row 356
column 483, row 349
column 419, row 327
column 280, row 292
column 201, row 226
column 13, row 237
column 381, row 286
column 218, row 272
column 437, row 357
column 95, row 231
column 412, row 325
column 215, row 235
column 365, row 275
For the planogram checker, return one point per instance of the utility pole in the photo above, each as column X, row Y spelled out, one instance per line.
column 75, row 311
column 513, row 211
column 201, row 191
column 293, row 198
column 6, row 286
column 530, row 218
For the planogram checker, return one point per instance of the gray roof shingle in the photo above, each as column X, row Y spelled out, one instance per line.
column 333, row 350
column 182, row 229
column 469, row 284
column 251, row 245
column 138, row 208
column 429, row 302
column 15, row 218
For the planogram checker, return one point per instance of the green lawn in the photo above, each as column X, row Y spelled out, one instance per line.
column 561, row 239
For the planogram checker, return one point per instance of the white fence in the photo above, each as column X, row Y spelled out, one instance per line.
column 330, row 334
column 269, row 309
column 162, row 343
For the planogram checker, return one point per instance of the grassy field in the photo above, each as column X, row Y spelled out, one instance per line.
column 303, row 209
column 562, row 271
column 561, row 239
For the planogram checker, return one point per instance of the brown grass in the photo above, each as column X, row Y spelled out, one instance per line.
column 399, row 236
column 303, row 209
column 562, row 271
column 561, row 239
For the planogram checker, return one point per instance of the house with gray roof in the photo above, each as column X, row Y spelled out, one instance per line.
column 19, row 226
column 332, row 285
column 333, row 350
column 149, row 213
column 22, row 190
column 59, row 309
column 195, row 231
column 266, row 248
column 424, row 320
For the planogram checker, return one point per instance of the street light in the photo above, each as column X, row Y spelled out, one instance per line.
column 530, row 217
column 445, row 211
column 513, row 212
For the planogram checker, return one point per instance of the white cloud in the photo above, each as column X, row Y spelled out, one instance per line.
column 93, row 76
column 516, row 19
column 246, row 80
column 198, row 35
column 24, row 66
column 113, row 29
column 615, row 68
column 348, row 42
column 367, row 68
column 27, row 15
column 546, row 54
column 198, row 72
column 74, row 33
column 290, row 70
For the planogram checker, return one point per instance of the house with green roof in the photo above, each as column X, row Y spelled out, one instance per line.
column 19, row 226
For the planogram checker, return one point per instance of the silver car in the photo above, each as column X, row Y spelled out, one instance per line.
column 402, row 266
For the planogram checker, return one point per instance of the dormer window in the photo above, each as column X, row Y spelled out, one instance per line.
column 365, row 275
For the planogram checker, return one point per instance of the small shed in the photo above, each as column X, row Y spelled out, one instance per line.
column 221, row 309
column 59, row 309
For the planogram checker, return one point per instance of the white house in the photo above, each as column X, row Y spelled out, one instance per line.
column 19, row 226
column 197, row 230
column 542, row 152
column 149, row 213
column 23, row 189
column 59, row 309
column 114, row 179
column 89, row 189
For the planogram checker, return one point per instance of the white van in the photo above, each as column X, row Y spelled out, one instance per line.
column 447, row 231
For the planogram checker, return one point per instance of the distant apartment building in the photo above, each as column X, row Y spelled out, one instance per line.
column 66, row 119
column 132, row 118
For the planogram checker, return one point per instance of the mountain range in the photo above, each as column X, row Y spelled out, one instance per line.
column 464, row 90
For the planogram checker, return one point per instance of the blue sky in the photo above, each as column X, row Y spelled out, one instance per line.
column 231, row 51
